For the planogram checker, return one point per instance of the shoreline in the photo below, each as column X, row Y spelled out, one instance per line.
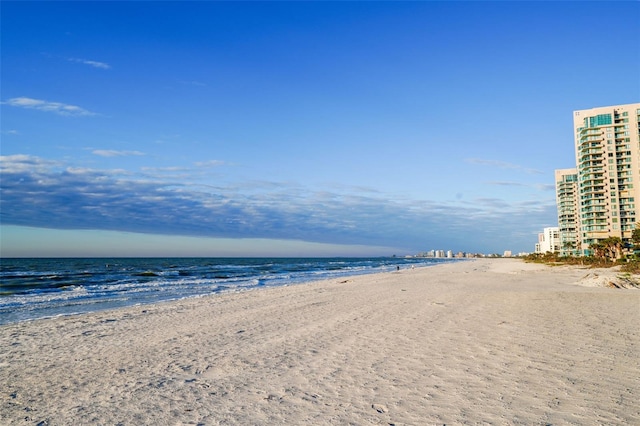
column 488, row 340
column 78, row 286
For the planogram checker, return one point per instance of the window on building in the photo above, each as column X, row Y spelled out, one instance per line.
column 600, row 120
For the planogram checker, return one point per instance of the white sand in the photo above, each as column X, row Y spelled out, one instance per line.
column 479, row 342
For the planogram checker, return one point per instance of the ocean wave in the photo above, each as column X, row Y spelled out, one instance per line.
column 37, row 288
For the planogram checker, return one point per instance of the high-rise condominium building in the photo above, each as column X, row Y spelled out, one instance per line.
column 567, row 202
column 607, row 144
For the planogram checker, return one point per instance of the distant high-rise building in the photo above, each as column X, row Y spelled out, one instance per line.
column 607, row 147
column 549, row 240
column 567, row 202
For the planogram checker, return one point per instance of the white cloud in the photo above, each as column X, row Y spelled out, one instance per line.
column 114, row 153
column 44, row 193
column 503, row 183
column 22, row 162
column 210, row 163
column 55, row 107
column 546, row 187
column 502, row 165
column 95, row 64
column 165, row 169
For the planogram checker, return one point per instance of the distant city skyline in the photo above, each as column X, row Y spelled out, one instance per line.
column 296, row 128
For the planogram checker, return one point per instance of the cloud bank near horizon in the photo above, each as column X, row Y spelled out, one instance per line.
column 37, row 192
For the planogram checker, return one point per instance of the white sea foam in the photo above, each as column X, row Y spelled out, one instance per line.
column 35, row 288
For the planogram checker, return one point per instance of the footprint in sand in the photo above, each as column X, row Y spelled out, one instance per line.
column 379, row 408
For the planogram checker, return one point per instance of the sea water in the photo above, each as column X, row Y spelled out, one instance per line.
column 39, row 288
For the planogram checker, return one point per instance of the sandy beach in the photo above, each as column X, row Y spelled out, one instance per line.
column 477, row 342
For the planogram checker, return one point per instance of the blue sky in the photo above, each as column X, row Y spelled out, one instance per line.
column 297, row 128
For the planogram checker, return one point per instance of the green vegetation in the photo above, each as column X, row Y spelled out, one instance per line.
column 605, row 254
column 549, row 258
column 631, row 267
column 630, row 264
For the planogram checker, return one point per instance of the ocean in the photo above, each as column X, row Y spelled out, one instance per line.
column 39, row 288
